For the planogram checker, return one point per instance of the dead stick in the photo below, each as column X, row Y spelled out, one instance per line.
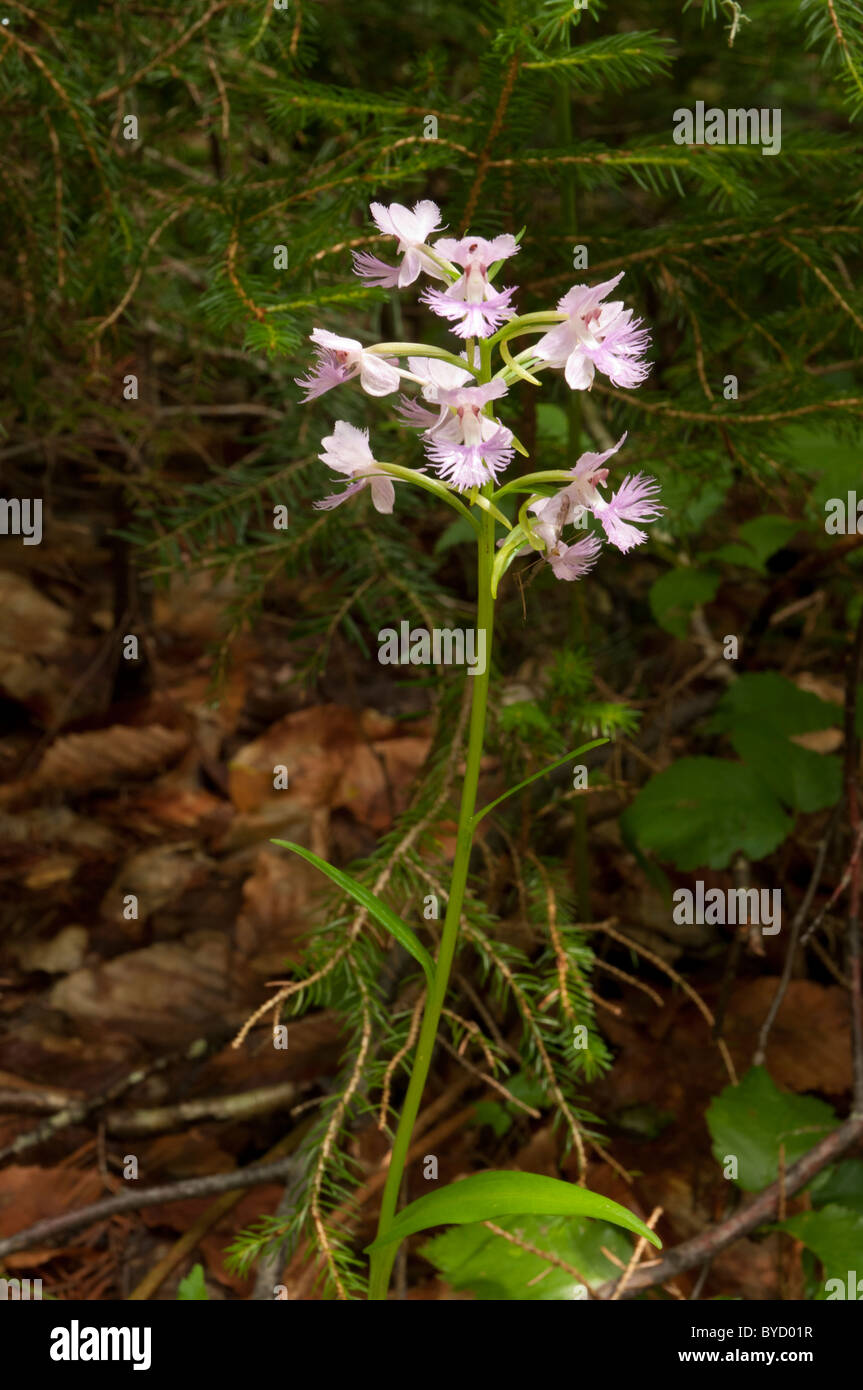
column 254, row 1176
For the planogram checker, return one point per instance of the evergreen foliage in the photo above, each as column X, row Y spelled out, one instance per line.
column 154, row 256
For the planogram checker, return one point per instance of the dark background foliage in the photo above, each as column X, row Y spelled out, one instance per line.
column 153, row 258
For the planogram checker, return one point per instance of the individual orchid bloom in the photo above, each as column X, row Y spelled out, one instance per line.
column 347, row 450
column 413, row 229
column 596, row 337
column 476, row 308
column 573, row 561
column 339, row 359
column 469, row 449
column 581, row 495
column 635, row 500
column 435, row 375
column 567, row 561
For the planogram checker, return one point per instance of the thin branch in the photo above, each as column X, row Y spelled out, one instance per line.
column 46, row 1232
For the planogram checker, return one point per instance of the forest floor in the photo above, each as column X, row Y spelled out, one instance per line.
column 146, row 912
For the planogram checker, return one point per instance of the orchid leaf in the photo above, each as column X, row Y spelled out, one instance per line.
column 573, row 753
column 487, row 1196
column 382, row 914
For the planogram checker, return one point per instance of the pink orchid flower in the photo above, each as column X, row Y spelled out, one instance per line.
column 469, row 448
column 347, row 451
column 471, row 302
column 413, row 229
column 339, row 359
column 436, row 376
column 596, row 337
column 570, row 504
column 635, row 500
column 574, row 561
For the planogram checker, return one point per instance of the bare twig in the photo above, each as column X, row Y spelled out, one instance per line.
column 44, row 1232
column 799, row 918
column 636, row 1256
column 79, row 1110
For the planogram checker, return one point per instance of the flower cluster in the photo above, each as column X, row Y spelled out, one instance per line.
column 634, row 500
column 466, row 446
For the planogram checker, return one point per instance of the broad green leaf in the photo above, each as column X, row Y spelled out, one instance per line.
column 768, row 698
column 527, row 1089
column 488, row 1196
column 750, row 1121
column 675, row 595
column 551, row 421
column 691, row 496
column 757, row 541
column 835, row 463
column 382, row 914
column 493, row 1114
column 193, row 1287
column 473, row 1257
column 835, row 1234
column 646, row 1121
column 701, row 811
column 760, row 713
column 841, row 1184
column 804, row 780
column 455, row 533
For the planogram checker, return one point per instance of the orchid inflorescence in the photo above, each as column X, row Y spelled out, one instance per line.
column 467, row 447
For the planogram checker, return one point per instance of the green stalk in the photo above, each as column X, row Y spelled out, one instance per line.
column 382, row 1260
column 419, row 350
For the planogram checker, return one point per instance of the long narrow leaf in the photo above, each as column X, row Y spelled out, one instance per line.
column 382, row 914
column 573, row 753
column 485, row 1196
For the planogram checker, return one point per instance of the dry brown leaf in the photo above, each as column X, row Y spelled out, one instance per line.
column 820, row 740
column 277, row 899
column 29, row 1194
column 30, row 623
column 809, row 1048
column 181, row 1216
column 166, row 993
column 62, row 954
column 311, row 744
column 174, row 802
column 192, row 1153
column 33, row 632
column 315, row 1044
column 335, row 758
column 80, row 762
column 832, row 691
column 156, row 877
column 51, row 872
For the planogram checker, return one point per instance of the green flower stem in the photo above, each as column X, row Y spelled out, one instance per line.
column 527, row 481
column 444, row 494
column 527, row 323
column 382, row 1260
column 513, row 365
column 444, row 264
column 419, row 350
